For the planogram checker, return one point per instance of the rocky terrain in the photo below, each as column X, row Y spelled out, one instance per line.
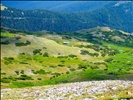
column 91, row 90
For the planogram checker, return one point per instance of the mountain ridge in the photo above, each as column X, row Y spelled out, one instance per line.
column 68, row 22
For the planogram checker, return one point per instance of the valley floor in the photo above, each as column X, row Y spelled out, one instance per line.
column 91, row 90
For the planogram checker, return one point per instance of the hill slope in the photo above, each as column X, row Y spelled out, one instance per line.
column 50, row 59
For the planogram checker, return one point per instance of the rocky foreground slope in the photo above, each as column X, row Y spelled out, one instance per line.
column 92, row 90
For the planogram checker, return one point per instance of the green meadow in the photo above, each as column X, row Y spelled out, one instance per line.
column 30, row 60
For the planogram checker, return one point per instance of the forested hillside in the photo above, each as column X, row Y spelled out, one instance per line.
column 115, row 15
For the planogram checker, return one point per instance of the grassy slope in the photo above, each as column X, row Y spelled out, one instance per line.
column 64, row 69
column 53, row 48
column 46, row 45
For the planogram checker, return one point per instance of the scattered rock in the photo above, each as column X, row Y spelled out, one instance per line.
column 68, row 91
column 114, row 88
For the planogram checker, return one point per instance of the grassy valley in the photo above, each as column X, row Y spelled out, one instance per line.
column 34, row 60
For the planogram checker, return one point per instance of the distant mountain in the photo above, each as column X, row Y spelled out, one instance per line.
column 59, row 6
column 77, row 6
column 32, row 5
column 117, row 15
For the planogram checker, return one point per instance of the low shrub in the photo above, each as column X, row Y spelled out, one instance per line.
column 84, row 52
column 5, row 42
column 60, row 65
column 67, row 72
column 41, row 71
column 22, row 62
column 18, row 37
column 52, row 66
column 23, row 44
column 56, row 74
column 39, row 78
column 94, row 67
column 45, row 54
column 17, row 72
column 62, row 61
column 36, row 51
column 22, row 72
column 8, row 60
column 72, row 56
column 44, row 48
column 82, row 66
column 12, row 78
column 109, row 60
column 25, row 77
column 72, row 69
column 62, row 57
column 3, row 73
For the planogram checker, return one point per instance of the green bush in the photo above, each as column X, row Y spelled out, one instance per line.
column 23, row 44
column 22, row 62
column 72, row 56
column 25, row 77
column 39, row 78
column 36, row 51
column 5, row 42
column 8, row 79
column 45, row 54
column 56, row 74
column 18, row 37
column 72, row 69
column 44, row 48
column 52, row 66
column 62, row 61
column 112, row 73
column 109, row 60
column 62, row 57
column 8, row 60
column 96, row 54
column 41, row 71
column 3, row 73
column 67, row 72
column 17, row 72
column 22, row 72
column 84, row 52
column 94, row 67
column 82, row 66
column 12, row 78
column 103, row 54
column 60, row 65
